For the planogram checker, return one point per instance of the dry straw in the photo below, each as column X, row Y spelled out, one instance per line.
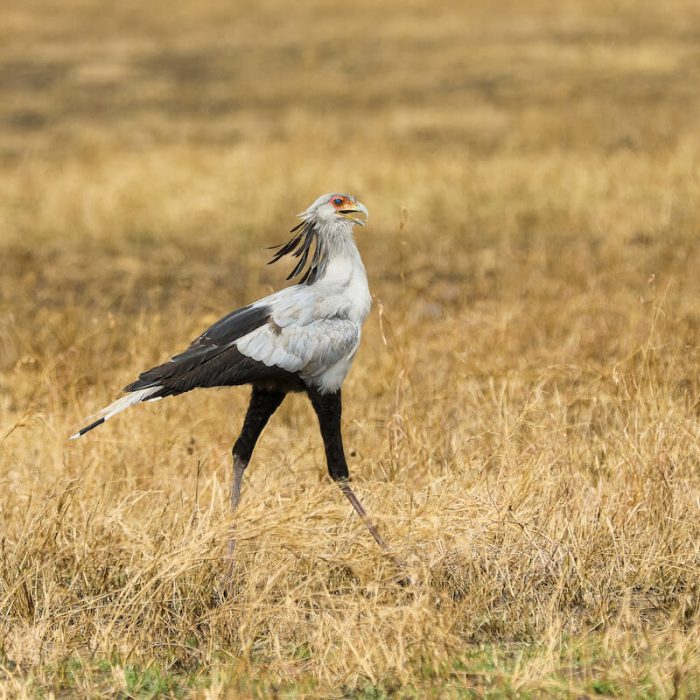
column 522, row 418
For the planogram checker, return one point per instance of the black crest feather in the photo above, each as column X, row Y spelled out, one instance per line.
column 306, row 236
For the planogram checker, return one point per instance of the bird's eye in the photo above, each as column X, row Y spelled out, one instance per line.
column 337, row 201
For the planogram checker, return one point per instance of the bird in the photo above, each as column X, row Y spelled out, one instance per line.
column 302, row 338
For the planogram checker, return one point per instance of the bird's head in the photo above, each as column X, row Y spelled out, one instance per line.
column 335, row 210
column 325, row 225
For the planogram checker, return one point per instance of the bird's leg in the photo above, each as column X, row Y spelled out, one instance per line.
column 239, row 467
column 263, row 403
column 350, row 495
column 328, row 408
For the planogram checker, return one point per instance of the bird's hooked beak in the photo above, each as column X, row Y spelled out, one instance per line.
column 357, row 208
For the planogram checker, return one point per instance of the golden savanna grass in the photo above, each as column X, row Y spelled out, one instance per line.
column 521, row 419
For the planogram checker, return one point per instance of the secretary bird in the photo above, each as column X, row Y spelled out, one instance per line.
column 299, row 339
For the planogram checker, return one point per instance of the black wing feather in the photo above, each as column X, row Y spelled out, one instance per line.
column 212, row 360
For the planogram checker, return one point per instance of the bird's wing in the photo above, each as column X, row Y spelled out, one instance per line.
column 210, row 360
column 292, row 332
column 205, row 351
column 305, row 334
column 308, row 350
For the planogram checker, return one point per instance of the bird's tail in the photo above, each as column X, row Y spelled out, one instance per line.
column 118, row 406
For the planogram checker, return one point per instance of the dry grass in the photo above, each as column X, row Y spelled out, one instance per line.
column 522, row 417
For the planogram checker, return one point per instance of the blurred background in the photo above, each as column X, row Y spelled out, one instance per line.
column 532, row 171
column 150, row 153
column 456, row 110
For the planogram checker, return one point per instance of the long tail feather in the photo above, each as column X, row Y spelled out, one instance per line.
column 118, row 406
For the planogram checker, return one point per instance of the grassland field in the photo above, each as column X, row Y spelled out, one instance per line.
column 522, row 419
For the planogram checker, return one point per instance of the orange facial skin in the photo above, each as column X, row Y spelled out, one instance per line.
column 340, row 202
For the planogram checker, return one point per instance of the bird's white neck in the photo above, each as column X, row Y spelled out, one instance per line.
column 344, row 274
